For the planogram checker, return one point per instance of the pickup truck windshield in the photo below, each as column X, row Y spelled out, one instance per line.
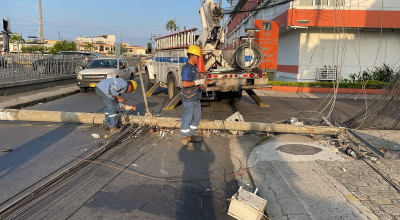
column 103, row 64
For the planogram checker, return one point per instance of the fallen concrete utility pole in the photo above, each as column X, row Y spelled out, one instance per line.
column 93, row 118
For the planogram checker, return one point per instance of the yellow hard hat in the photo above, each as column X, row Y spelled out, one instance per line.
column 134, row 85
column 195, row 50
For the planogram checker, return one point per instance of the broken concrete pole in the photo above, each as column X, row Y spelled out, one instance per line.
column 93, row 118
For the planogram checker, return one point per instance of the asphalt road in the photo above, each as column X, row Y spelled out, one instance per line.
column 281, row 108
column 41, row 148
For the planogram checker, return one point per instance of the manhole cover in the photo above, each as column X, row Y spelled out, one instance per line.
column 299, row 149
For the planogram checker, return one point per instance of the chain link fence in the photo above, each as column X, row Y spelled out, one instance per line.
column 19, row 67
column 133, row 61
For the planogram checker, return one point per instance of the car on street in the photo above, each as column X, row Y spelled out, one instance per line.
column 80, row 59
column 3, row 62
column 103, row 68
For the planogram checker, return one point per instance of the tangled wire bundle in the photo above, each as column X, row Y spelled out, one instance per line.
column 382, row 105
column 238, row 58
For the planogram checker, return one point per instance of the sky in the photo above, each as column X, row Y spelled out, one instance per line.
column 135, row 20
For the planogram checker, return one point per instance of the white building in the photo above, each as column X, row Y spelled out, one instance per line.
column 349, row 35
column 102, row 39
column 104, row 44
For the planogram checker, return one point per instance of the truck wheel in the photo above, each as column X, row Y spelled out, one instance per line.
column 231, row 97
column 171, row 88
column 82, row 89
column 149, row 83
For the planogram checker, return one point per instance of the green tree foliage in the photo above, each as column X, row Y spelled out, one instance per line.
column 63, row 46
column 170, row 26
column 17, row 38
column 123, row 50
column 89, row 46
column 32, row 49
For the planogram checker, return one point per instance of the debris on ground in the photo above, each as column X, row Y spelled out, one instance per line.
column 236, row 117
column 6, row 150
column 95, row 136
column 245, row 205
column 294, row 121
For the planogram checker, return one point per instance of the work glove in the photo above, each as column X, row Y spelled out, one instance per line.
column 199, row 82
column 202, row 87
column 129, row 107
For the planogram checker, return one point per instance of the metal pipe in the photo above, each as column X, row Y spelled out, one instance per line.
column 93, row 118
column 144, row 92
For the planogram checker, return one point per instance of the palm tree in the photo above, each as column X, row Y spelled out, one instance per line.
column 170, row 25
column 17, row 38
column 63, row 46
column 89, row 46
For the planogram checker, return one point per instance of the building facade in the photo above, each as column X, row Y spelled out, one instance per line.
column 347, row 36
column 1, row 44
column 104, row 44
column 135, row 50
column 47, row 45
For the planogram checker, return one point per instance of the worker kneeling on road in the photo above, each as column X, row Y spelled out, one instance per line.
column 191, row 97
column 109, row 91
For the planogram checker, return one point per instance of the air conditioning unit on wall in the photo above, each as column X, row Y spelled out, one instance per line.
column 326, row 74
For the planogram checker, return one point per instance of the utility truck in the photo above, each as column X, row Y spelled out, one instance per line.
column 229, row 71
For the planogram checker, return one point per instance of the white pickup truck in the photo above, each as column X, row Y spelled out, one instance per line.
column 103, row 68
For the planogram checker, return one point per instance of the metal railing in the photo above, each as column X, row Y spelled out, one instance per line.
column 18, row 67
column 132, row 61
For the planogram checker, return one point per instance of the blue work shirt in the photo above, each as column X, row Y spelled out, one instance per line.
column 190, row 73
column 113, row 87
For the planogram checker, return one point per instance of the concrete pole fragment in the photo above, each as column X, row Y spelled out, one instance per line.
column 163, row 122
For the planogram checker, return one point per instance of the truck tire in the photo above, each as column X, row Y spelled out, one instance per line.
column 82, row 89
column 172, row 90
column 231, row 97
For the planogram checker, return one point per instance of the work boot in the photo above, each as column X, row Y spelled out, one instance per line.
column 185, row 140
column 113, row 129
column 105, row 126
column 194, row 139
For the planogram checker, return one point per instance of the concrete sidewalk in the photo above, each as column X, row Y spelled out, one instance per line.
column 34, row 97
column 291, row 173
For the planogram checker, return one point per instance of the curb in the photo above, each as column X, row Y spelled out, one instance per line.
column 321, row 90
column 32, row 102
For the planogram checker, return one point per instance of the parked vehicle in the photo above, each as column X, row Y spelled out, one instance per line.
column 3, row 62
column 145, row 60
column 81, row 59
column 103, row 68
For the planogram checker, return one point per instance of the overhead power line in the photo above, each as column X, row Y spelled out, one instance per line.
column 257, row 9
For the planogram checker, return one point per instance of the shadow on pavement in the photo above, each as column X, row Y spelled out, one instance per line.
column 22, row 154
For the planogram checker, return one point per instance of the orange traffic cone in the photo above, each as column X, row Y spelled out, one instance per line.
column 200, row 64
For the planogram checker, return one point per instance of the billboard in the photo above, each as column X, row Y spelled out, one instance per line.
column 268, row 38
